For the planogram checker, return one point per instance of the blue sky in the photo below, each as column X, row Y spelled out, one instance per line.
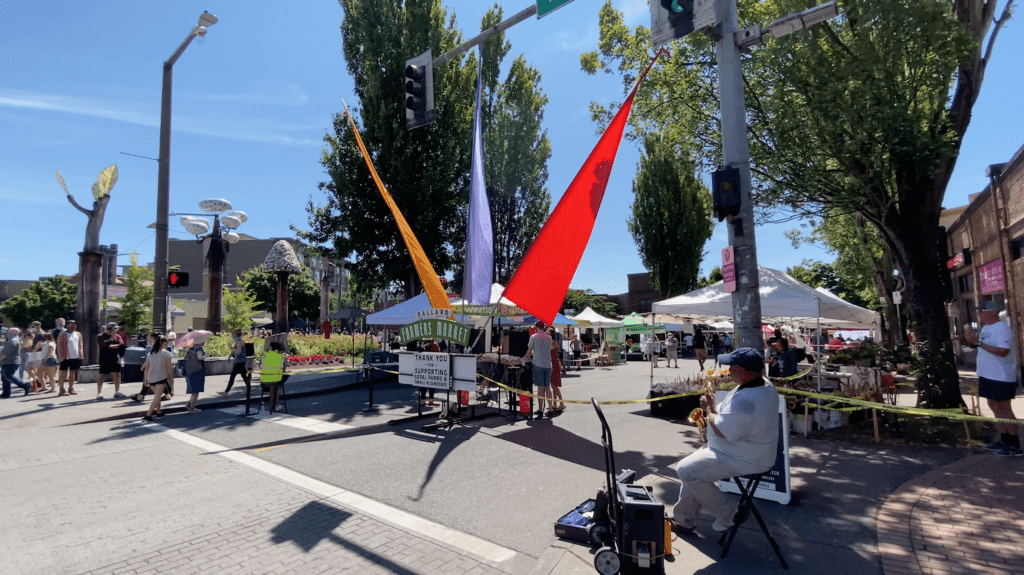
column 80, row 83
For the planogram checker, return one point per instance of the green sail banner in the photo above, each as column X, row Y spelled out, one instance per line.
column 489, row 310
column 434, row 329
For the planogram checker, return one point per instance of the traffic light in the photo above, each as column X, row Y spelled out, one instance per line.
column 670, row 19
column 725, row 192
column 177, row 279
column 419, row 91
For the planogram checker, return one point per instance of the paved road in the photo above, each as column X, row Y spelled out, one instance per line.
column 330, row 488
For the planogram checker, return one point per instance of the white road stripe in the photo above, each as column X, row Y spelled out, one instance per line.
column 423, row 527
column 304, row 423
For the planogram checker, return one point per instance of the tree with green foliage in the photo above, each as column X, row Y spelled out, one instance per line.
column 42, row 301
column 137, row 304
column 426, row 170
column 863, row 264
column 713, row 277
column 303, row 292
column 580, row 299
column 239, row 307
column 671, row 216
column 865, row 115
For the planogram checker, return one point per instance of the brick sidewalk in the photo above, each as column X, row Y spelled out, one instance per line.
column 964, row 517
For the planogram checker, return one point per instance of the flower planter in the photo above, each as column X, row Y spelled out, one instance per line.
column 218, row 365
column 677, row 407
column 830, row 418
column 861, row 415
column 86, row 374
column 799, row 423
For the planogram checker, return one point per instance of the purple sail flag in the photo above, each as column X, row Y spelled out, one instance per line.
column 480, row 239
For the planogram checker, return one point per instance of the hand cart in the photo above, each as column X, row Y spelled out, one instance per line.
column 628, row 524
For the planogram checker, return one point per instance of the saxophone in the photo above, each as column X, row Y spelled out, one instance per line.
column 698, row 417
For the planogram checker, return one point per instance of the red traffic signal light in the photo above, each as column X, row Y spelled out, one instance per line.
column 177, row 279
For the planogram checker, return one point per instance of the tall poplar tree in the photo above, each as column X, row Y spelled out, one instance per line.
column 426, row 170
column 516, row 151
column 671, row 216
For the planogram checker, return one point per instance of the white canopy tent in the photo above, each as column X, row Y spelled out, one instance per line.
column 783, row 300
column 403, row 313
column 589, row 317
column 496, row 290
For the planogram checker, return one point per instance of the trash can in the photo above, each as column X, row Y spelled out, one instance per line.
column 134, row 357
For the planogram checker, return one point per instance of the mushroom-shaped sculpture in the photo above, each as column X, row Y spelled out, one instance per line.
column 282, row 261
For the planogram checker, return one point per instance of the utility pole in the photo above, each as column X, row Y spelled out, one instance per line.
column 746, row 300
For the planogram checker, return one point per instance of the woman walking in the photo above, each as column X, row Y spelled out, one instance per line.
column 556, row 377
column 239, row 366
column 195, row 376
column 159, row 374
column 48, row 371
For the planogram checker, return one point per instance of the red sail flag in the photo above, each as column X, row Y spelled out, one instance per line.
column 542, row 279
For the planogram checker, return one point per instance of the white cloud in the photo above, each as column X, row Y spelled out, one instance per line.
column 294, row 97
column 577, row 40
column 246, row 129
column 635, row 12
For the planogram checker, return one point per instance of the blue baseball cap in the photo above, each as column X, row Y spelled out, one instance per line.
column 745, row 357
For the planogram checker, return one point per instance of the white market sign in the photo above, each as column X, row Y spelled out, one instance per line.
column 455, row 371
column 428, row 370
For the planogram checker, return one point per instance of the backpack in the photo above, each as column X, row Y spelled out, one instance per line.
column 800, row 353
column 192, row 362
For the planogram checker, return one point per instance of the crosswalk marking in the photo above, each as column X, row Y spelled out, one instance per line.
column 304, row 423
column 424, row 527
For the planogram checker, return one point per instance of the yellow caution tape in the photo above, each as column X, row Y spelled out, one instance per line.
column 833, row 402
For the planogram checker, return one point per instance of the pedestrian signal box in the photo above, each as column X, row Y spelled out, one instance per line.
column 725, row 192
column 177, row 279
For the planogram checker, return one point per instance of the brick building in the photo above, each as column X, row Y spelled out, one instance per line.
column 986, row 245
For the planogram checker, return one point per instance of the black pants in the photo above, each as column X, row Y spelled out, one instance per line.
column 238, row 369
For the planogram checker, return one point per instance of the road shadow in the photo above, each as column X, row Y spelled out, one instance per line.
column 451, row 440
column 316, row 522
column 542, row 436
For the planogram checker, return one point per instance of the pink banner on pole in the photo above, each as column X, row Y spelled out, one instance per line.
column 729, row 268
column 991, row 276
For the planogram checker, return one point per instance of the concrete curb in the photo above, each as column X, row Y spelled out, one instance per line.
column 221, row 404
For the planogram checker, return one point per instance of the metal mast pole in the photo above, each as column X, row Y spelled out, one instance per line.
column 746, row 301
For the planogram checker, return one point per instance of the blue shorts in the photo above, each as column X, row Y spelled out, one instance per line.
column 997, row 390
column 541, row 376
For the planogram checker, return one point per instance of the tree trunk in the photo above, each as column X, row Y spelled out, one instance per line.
column 939, row 381
column 281, row 317
column 325, row 292
column 87, row 305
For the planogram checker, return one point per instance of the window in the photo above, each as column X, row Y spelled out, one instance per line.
column 965, row 283
column 1017, row 248
column 645, row 305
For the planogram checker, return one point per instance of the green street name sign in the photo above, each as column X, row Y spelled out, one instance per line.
column 434, row 329
column 545, row 7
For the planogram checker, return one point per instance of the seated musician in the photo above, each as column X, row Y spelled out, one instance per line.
column 743, row 435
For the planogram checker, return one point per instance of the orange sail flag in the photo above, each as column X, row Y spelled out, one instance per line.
column 429, row 279
column 542, row 279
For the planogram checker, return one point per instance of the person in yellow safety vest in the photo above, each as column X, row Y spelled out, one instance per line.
column 272, row 372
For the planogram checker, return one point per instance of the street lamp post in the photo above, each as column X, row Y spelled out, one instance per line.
column 163, row 191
